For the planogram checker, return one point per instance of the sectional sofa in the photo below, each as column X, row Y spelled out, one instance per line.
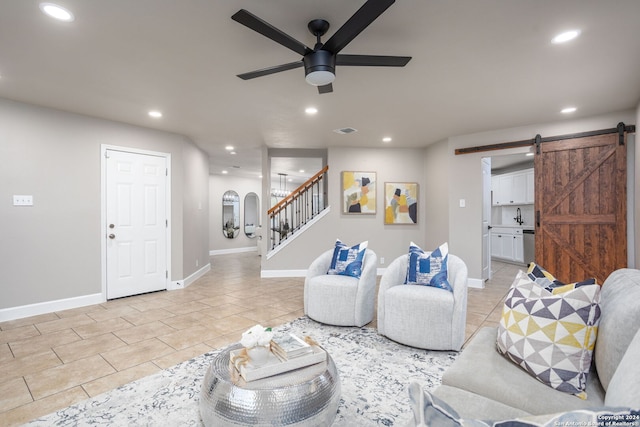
column 484, row 384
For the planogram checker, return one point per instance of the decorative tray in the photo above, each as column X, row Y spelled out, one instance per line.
column 274, row 365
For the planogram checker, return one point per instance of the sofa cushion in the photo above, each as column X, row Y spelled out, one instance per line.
column 619, row 322
column 428, row 268
column 624, row 387
column 471, row 405
column 551, row 336
column 482, row 370
column 430, row 411
column 346, row 260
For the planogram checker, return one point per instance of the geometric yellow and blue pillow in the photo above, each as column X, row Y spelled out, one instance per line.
column 551, row 335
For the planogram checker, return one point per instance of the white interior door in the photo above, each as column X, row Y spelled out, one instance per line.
column 486, row 218
column 136, row 223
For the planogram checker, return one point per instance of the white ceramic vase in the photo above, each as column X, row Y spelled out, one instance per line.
column 258, row 355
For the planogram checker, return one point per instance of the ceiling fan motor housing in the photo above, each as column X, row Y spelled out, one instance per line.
column 319, row 60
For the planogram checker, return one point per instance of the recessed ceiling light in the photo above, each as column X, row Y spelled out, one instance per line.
column 311, row 110
column 565, row 37
column 568, row 110
column 386, row 139
column 225, row 172
column 301, row 171
column 56, row 11
column 229, row 148
column 155, row 114
column 232, row 152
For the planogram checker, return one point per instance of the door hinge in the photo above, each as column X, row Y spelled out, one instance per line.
column 166, row 172
column 166, row 274
column 166, row 223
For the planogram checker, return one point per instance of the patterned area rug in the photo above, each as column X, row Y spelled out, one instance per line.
column 374, row 372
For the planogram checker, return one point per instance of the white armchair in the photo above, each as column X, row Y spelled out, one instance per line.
column 340, row 300
column 423, row 316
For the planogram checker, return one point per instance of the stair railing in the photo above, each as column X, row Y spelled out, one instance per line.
column 290, row 214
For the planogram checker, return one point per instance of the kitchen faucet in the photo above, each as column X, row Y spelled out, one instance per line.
column 518, row 217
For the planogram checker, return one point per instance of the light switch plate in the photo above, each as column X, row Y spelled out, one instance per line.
column 22, row 200
column 463, row 203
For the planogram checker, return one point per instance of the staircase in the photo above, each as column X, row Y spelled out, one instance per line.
column 291, row 214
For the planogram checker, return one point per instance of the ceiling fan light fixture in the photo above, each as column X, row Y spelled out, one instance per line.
column 320, row 78
column 320, row 68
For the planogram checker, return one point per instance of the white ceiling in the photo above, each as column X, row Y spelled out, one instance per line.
column 477, row 65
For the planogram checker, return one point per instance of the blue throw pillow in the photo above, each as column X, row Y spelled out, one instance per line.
column 429, row 269
column 347, row 261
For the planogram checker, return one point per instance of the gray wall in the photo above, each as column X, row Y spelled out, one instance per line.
column 465, row 177
column 52, row 250
column 444, row 179
column 388, row 241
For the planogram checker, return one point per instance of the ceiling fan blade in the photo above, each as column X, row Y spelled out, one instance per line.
column 358, row 22
column 270, row 70
column 256, row 24
column 372, row 60
column 325, row 89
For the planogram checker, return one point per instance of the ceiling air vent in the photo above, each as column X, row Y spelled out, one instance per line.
column 345, row 131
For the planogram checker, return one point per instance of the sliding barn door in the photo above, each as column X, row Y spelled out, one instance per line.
column 580, row 202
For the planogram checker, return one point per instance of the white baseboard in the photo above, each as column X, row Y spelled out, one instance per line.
column 282, row 273
column 13, row 313
column 475, row 283
column 181, row 284
column 232, row 251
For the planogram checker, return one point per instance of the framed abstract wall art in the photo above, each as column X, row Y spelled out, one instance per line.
column 400, row 202
column 358, row 192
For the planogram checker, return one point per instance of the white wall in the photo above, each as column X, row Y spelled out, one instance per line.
column 51, row 251
column 218, row 185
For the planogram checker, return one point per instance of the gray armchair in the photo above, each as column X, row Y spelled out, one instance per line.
column 423, row 316
column 340, row 300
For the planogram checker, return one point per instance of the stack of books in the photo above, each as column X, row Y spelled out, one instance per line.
column 289, row 346
column 288, row 352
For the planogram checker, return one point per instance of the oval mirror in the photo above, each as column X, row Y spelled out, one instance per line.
column 251, row 210
column 230, row 214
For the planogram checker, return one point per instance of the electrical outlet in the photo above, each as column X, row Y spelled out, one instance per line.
column 22, row 200
column 382, row 260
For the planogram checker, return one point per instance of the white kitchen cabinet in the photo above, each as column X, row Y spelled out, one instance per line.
column 514, row 188
column 507, row 244
column 530, row 191
column 518, row 248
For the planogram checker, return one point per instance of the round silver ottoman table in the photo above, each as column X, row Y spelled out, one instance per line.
column 304, row 397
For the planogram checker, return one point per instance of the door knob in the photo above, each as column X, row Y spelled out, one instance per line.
column 111, row 225
column 112, row 236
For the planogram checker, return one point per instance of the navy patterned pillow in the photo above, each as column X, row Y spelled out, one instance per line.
column 429, row 269
column 346, row 260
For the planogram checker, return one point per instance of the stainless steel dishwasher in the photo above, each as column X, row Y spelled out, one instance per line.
column 529, row 245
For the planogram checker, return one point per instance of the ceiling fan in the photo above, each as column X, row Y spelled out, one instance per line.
column 320, row 62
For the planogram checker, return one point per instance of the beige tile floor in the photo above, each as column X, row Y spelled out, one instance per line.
column 54, row 360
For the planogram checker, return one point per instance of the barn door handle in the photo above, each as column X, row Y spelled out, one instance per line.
column 537, row 218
